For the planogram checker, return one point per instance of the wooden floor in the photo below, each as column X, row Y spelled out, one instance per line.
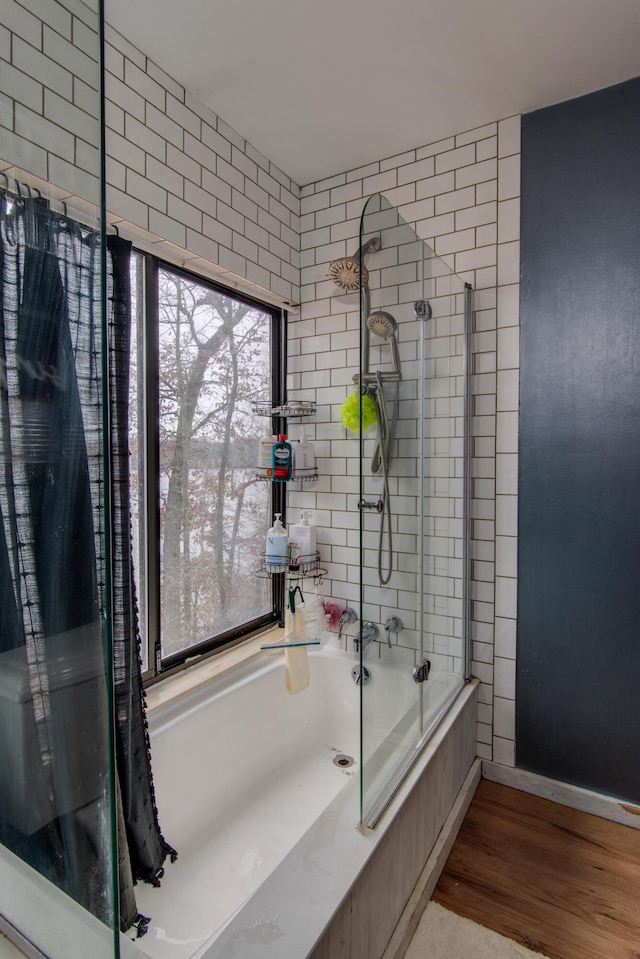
column 556, row 880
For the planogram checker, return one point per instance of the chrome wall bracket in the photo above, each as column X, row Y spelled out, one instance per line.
column 421, row 672
column 422, row 309
column 376, row 505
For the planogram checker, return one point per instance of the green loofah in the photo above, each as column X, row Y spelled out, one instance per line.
column 350, row 412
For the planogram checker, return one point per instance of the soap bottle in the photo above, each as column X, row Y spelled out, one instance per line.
column 277, row 551
column 303, row 540
column 265, row 452
column 281, row 459
column 304, row 458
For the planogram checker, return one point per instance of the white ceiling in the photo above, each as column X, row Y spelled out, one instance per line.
column 326, row 86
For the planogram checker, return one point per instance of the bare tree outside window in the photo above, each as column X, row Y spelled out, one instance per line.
column 213, row 360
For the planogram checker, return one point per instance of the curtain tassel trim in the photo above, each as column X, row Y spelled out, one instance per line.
column 141, row 925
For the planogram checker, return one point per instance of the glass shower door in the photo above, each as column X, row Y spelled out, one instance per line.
column 58, row 862
column 413, row 486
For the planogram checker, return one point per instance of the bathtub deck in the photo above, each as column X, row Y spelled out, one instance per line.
column 217, row 871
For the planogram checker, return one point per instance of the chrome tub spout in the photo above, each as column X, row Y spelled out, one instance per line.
column 368, row 634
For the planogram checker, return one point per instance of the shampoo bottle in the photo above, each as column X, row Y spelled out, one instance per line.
column 277, row 551
column 265, row 452
column 303, row 540
column 281, row 459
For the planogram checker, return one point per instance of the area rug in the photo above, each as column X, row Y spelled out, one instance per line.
column 442, row 934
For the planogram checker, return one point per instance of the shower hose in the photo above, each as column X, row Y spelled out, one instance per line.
column 380, row 462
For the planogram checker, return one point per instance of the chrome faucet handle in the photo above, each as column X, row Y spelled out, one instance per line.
column 348, row 616
column 393, row 625
column 368, row 634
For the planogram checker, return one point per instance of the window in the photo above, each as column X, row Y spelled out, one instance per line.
column 200, row 357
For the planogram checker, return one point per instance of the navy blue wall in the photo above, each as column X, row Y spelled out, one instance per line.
column 578, row 648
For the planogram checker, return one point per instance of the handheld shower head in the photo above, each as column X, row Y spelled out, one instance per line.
column 382, row 324
column 347, row 273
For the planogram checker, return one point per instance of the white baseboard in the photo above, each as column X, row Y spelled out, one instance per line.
column 428, row 879
column 576, row 797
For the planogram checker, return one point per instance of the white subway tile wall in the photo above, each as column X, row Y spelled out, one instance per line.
column 461, row 195
column 187, row 187
column 184, row 185
column 50, row 101
column 180, row 182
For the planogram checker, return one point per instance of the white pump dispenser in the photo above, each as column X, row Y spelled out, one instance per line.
column 277, row 551
column 304, row 458
column 303, row 540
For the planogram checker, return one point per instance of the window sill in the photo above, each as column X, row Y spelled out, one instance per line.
column 171, row 688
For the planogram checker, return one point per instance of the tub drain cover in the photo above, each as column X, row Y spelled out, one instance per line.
column 343, row 760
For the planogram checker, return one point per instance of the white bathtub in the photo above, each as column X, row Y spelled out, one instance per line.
column 241, row 770
column 248, row 793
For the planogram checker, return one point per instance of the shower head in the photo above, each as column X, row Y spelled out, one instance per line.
column 382, row 324
column 350, row 273
column 347, row 274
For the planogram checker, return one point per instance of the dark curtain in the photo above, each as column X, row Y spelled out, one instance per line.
column 147, row 847
column 54, row 719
